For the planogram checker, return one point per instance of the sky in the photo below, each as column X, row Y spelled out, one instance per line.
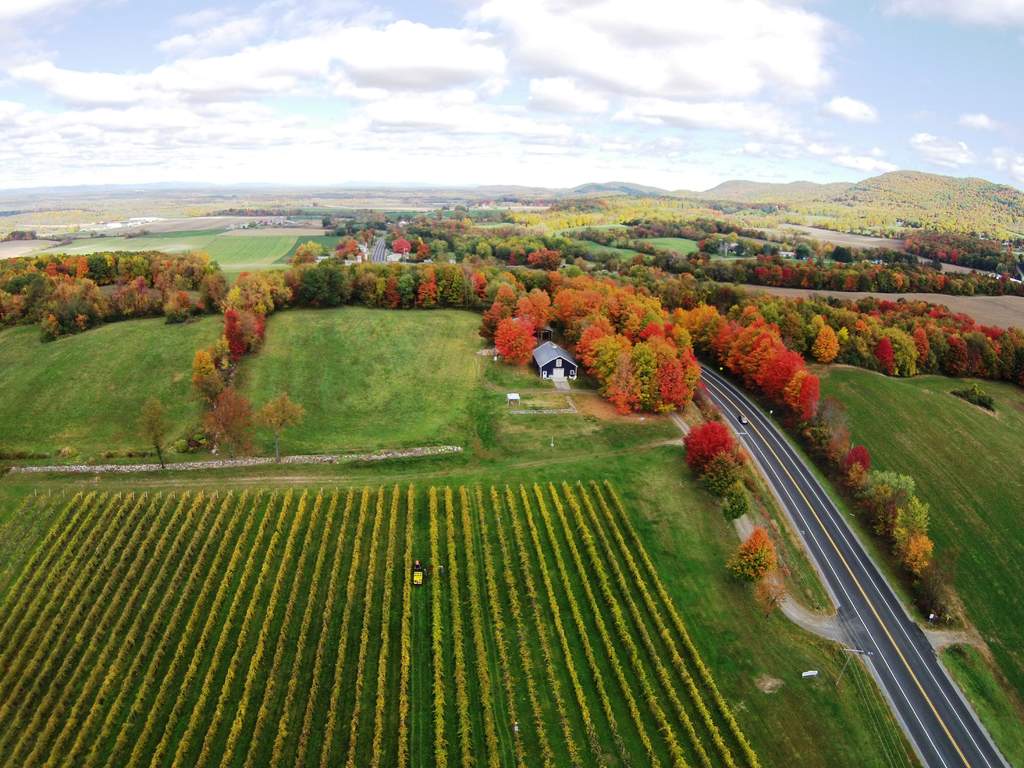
column 680, row 94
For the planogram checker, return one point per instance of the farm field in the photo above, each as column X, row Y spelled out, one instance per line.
column 355, row 381
column 297, row 638
column 234, row 252
column 756, row 660
column 85, row 391
column 330, row 242
column 1000, row 311
column 680, row 245
column 606, row 251
column 915, row 426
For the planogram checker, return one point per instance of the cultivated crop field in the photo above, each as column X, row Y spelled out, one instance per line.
column 281, row 627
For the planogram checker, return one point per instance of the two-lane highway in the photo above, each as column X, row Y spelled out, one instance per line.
column 939, row 722
column 379, row 253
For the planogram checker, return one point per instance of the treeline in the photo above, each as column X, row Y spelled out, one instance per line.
column 69, row 294
column 963, row 250
column 859, row 276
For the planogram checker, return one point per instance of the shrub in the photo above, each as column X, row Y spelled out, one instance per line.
column 737, row 503
column 976, row 395
column 721, row 472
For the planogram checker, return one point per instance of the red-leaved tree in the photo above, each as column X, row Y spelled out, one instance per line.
column 515, row 340
column 885, row 355
column 707, row 441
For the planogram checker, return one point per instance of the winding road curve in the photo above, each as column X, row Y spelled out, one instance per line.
column 935, row 716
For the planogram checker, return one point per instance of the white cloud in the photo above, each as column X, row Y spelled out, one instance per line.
column 230, row 34
column 19, row 9
column 866, row 163
column 707, row 50
column 978, row 120
column 1009, row 162
column 401, row 56
column 944, row 152
column 563, row 94
column 852, row 109
column 989, row 12
column 753, row 118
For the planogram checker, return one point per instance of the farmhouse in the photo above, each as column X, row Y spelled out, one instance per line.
column 553, row 362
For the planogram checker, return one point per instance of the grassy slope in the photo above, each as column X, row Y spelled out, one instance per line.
column 85, row 391
column 967, row 466
column 597, row 249
column 677, row 244
column 354, row 382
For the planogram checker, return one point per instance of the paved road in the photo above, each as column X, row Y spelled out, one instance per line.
column 379, row 253
column 936, row 718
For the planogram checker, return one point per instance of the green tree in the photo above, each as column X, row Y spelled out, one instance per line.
column 153, row 425
column 278, row 415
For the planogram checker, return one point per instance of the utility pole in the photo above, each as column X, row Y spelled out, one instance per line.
column 851, row 652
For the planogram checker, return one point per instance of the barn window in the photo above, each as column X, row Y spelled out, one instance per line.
column 558, row 363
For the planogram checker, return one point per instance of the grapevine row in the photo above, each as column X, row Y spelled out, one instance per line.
column 405, row 654
column 477, row 624
column 155, row 634
column 541, row 624
column 306, row 733
column 525, row 658
column 662, row 629
column 385, row 636
column 498, row 625
column 283, row 726
column 461, row 678
column 680, row 627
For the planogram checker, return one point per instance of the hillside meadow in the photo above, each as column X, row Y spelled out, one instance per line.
column 84, row 392
column 967, row 465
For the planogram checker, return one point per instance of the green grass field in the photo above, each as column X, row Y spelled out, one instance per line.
column 369, row 378
column 85, row 391
column 330, row 242
column 966, row 462
column 234, row 253
column 678, row 244
column 606, row 251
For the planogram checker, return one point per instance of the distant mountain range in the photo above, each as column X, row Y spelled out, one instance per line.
column 881, row 203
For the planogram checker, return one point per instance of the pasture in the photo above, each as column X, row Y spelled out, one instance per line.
column 84, row 392
column 297, row 638
column 966, row 462
column 236, row 251
column 369, row 378
column 606, row 252
column 680, row 245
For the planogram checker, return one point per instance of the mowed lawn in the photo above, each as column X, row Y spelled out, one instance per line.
column 368, row 378
column 968, row 467
column 680, row 245
column 85, row 391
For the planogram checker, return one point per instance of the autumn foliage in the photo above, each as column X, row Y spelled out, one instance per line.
column 755, row 557
column 515, row 340
column 706, row 442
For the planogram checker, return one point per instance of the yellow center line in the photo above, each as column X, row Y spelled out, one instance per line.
column 863, row 593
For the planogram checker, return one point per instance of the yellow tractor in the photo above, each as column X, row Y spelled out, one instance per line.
column 417, row 574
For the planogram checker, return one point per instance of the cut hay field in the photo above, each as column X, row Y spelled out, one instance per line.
column 1000, row 311
column 85, row 391
column 369, row 378
column 967, row 464
column 233, row 251
column 282, row 628
column 680, row 245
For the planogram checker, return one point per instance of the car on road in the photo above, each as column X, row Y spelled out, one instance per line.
column 743, row 419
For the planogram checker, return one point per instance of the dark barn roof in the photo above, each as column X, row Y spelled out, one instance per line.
column 548, row 351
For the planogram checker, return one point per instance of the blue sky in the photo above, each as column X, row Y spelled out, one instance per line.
column 681, row 94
